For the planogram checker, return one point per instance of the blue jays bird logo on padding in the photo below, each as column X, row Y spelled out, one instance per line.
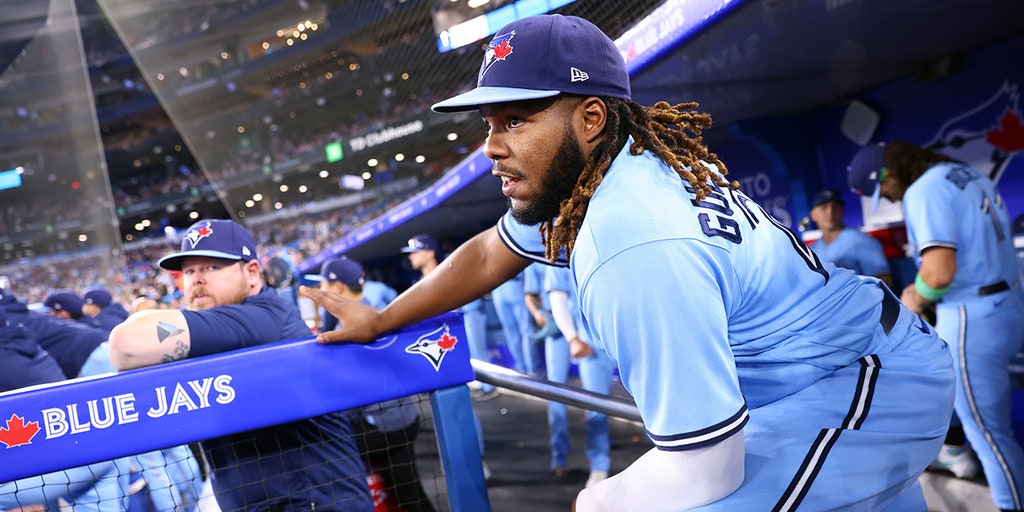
column 498, row 49
column 195, row 235
column 988, row 136
column 434, row 345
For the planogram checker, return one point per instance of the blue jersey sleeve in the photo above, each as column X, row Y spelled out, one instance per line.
column 685, row 337
column 525, row 240
column 929, row 208
column 260, row 319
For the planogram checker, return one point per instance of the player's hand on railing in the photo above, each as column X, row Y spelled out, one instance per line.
column 357, row 322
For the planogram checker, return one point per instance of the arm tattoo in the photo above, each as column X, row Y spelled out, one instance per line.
column 165, row 330
column 180, row 352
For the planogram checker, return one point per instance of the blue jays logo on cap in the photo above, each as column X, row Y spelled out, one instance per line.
column 196, row 234
column 498, row 49
column 554, row 55
column 214, row 238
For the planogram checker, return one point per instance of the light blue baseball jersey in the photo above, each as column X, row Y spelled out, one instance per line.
column 533, row 283
column 944, row 208
column 722, row 319
column 982, row 316
column 560, row 279
column 726, row 300
column 855, row 250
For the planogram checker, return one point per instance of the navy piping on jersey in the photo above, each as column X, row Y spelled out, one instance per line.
column 703, row 437
column 929, row 245
column 516, row 248
column 827, row 438
column 969, row 393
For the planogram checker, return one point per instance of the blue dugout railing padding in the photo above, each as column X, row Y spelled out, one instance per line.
column 670, row 25
column 81, row 421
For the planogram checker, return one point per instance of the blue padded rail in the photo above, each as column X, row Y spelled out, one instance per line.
column 76, row 422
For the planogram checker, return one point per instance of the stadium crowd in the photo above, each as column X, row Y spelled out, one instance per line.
column 298, row 237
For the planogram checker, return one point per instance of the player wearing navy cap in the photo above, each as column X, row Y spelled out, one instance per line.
column 100, row 305
column 67, row 304
column 386, row 432
column 842, row 245
column 958, row 229
column 424, row 253
column 340, row 275
column 765, row 379
column 227, row 306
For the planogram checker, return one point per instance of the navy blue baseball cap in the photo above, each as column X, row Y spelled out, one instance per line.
column 864, row 171
column 64, row 301
column 342, row 270
column 544, row 56
column 826, row 196
column 422, row 242
column 98, row 297
column 215, row 238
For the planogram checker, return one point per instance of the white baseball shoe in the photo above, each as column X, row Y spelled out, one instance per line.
column 959, row 460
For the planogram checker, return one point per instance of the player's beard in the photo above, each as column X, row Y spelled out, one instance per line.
column 557, row 182
column 211, row 301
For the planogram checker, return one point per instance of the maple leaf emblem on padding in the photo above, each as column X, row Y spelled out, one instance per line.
column 18, row 432
column 447, row 341
column 434, row 345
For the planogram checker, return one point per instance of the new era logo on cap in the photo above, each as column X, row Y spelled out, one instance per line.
column 577, row 75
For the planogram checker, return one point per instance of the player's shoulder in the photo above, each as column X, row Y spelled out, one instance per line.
column 524, row 240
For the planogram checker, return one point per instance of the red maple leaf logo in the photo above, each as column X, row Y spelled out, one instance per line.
column 447, row 341
column 1010, row 135
column 502, row 50
column 18, row 432
column 204, row 231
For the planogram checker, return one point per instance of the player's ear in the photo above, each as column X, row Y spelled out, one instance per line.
column 252, row 271
column 595, row 115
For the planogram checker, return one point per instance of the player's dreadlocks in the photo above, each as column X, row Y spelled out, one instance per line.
column 671, row 132
column 907, row 162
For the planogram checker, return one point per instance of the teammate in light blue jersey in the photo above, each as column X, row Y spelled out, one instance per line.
column 842, row 245
column 766, row 379
column 596, row 374
column 959, row 230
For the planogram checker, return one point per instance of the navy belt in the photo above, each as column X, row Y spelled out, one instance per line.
column 993, row 289
column 890, row 309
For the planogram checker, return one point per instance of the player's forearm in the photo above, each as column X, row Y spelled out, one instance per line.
column 532, row 301
column 662, row 481
column 475, row 268
column 938, row 267
column 562, row 315
column 148, row 338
